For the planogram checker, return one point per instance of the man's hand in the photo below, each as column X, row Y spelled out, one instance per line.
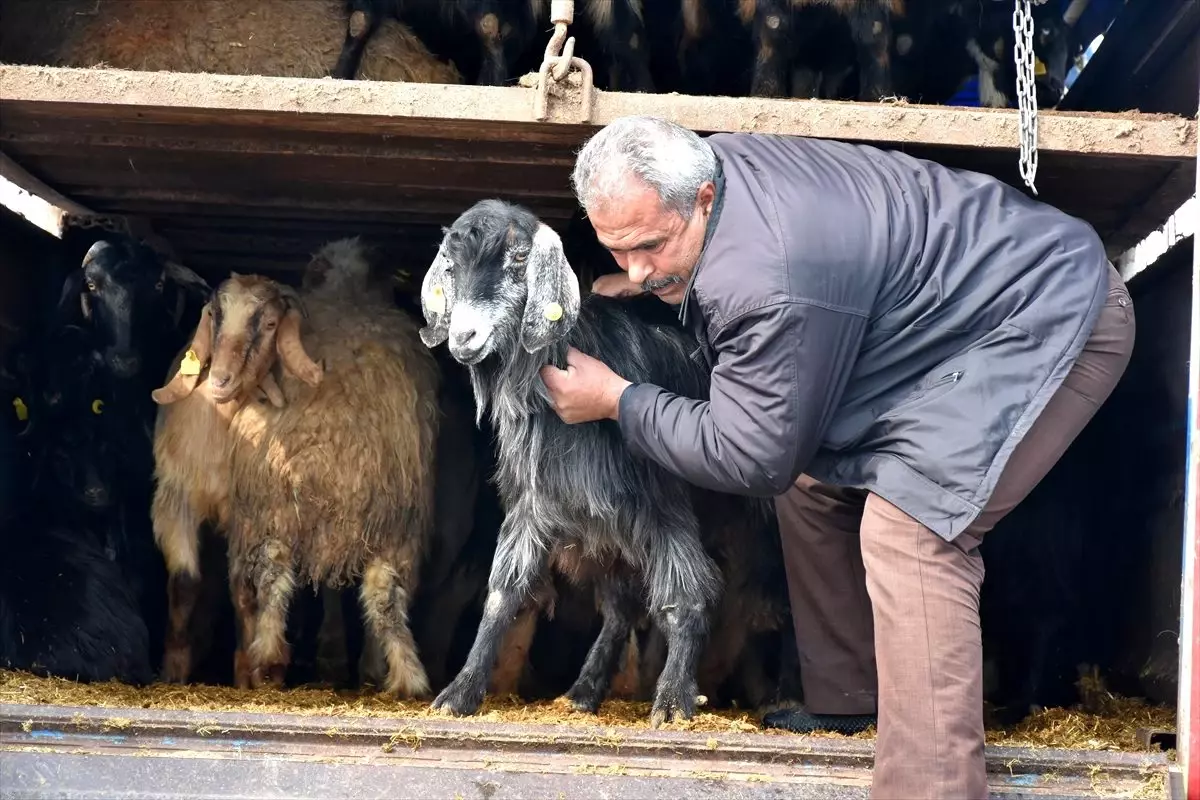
column 616, row 285
column 585, row 391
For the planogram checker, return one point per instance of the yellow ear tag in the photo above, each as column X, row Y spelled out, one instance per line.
column 437, row 301
column 97, row 407
column 190, row 364
column 1039, row 69
column 21, row 409
column 553, row 312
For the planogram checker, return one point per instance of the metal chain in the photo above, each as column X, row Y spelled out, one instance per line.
column 558, row 60
column 1026, row 91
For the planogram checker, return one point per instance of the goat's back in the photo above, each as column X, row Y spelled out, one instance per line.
column 343, row 470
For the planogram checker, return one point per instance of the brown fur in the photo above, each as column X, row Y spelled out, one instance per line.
column 191, row 475
column 338, row 484
column 282, row 38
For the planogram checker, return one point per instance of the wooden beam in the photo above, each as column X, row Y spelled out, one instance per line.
column 458, row 111
column 33, row 200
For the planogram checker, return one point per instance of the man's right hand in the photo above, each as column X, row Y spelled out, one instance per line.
column 616, row 285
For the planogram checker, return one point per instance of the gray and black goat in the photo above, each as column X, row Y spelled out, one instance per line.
column 503, row 296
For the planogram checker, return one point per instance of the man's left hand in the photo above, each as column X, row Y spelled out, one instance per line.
column 585, row 391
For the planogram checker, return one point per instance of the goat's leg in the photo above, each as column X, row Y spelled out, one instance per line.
column 619, row 603
column 360, row 26
column 519, row 563
column 493, row 70
column 245, row 607
column 177, row 535
column 274, row 580
column 684, row 584
column 514, row 652
column 771, row 27
column 386, row 591
column 871, row 29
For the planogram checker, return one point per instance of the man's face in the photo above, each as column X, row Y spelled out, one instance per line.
column 655, row 246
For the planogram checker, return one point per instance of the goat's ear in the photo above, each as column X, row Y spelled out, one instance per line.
column 188, row 280
column 72, row 294
column 552, row 292
column 291, row 350
column 437, row 300
column 184, row 381
column 291, row 300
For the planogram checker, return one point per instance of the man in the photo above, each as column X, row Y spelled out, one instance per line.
column 900, row 350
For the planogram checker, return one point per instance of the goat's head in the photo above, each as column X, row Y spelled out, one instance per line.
column 500, row 280
column 1052, row 45
column 249, row 320
column 83, row 467
column 121, row 291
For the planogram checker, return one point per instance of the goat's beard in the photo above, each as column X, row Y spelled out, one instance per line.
column 650, row 284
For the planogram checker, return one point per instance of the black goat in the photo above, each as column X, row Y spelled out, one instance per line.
column 135, row 305
column 486, row 39
column 65, row 608
column 493, row 42
column 806, row 41
column 502, row 292
column 941, row 44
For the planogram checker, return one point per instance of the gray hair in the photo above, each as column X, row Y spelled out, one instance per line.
column 671, row 159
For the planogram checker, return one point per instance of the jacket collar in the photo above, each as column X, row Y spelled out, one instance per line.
column 709, row 230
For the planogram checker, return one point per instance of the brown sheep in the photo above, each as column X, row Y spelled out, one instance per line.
column 338, row 483
column 190, row 452
column 281, row 38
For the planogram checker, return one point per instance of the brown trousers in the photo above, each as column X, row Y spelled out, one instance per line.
column 875, row 594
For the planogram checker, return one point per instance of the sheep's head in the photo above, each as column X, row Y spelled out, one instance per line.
column 500, row 280
column 247, row 323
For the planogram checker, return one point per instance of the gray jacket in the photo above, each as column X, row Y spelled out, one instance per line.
column 873, row 320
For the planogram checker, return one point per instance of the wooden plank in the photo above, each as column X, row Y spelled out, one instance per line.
column 460, row 109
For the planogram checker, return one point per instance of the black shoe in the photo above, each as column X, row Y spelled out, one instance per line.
column 797, row 720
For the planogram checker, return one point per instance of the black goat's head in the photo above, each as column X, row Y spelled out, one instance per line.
column 82, row 467
column 1052, row 44
column 120, row 289
column 500, row 280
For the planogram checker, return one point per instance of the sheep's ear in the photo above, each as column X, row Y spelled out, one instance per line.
column 184, row 381
column 552, row 292
column 437, row 301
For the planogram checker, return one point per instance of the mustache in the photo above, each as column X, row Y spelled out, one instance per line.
column 650, row 285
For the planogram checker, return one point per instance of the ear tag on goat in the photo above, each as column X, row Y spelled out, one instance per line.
column 97, row 407
column 1039, row 69
column 190, row 364
column 437, row 300
column 21, row 409
column 553, row 312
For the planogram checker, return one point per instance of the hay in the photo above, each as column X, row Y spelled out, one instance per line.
column 1108, row 723
column 22, row 687
column 1103, row 721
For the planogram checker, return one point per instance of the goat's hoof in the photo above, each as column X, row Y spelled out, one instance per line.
column 584, row 697
column 177, row 664
column 673, row 705
column 461, row 698
column 270, row 676
column 414, row 686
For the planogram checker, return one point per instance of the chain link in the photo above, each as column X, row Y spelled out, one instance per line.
column 1026, row 90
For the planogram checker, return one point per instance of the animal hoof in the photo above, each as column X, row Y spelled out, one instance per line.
column 176, row 665
column 461, row 698
column 584, row 698
column 270, row 676
column 672, row 705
